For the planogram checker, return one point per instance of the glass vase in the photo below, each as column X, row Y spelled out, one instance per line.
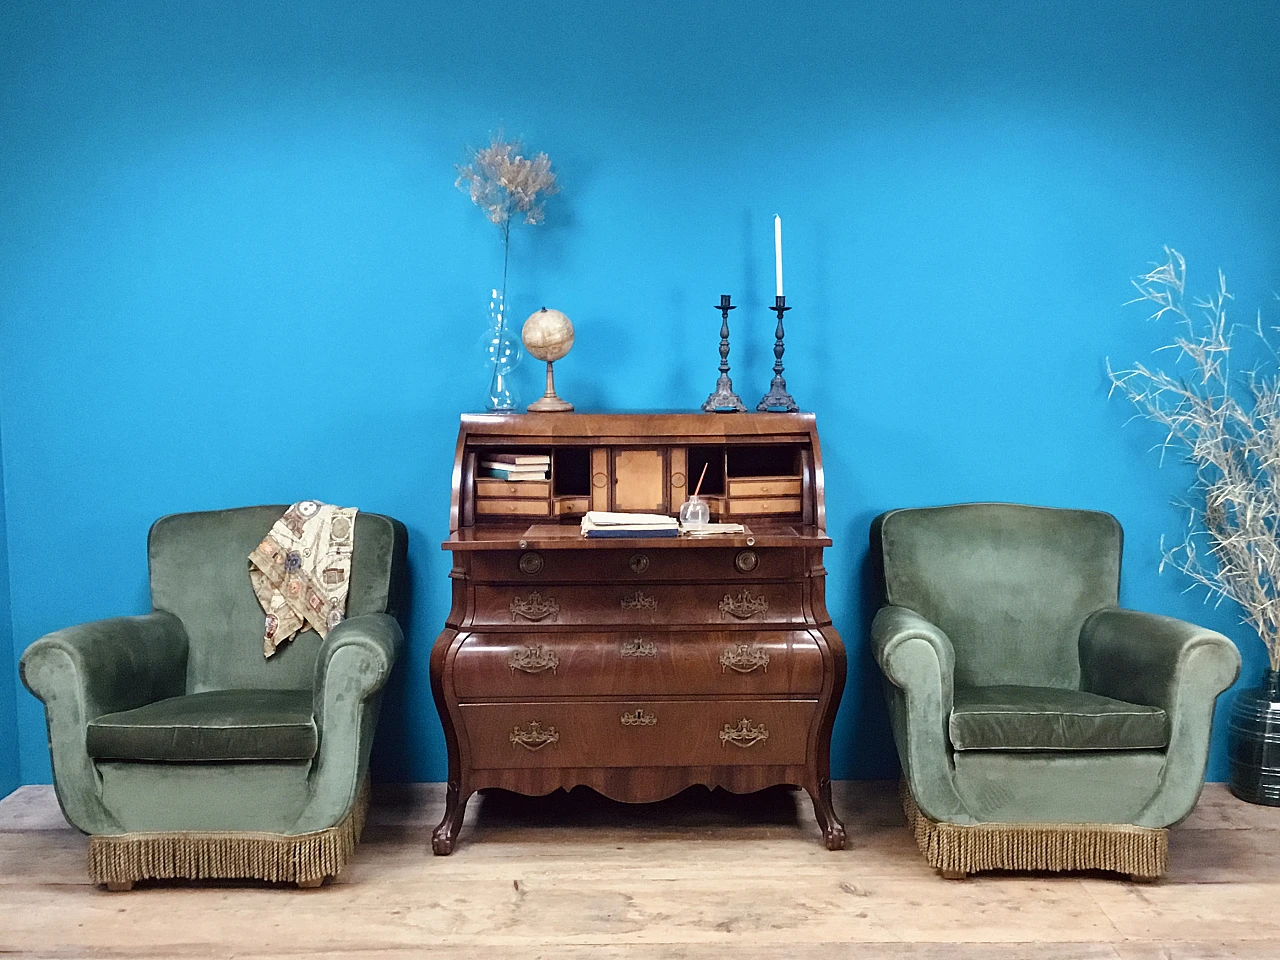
column 502, row 352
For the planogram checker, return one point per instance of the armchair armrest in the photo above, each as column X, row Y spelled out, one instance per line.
column 912, row 652
column 109, row 665
column 356, row 658
column 353, row 665
column 919, row 661
column 1144, row 657
column 1167, row 663
column 83, row 672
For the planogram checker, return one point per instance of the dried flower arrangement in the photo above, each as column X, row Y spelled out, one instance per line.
column 1227, row 424
column 507, row 186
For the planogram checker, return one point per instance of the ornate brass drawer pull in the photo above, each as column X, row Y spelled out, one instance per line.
column 746, row 561
column 534, row 607
column 744, row 734
column 534, row 738
column 638, row 648
column 639, row 719
column 639, row 601
column 743, row 606
column 533, row 659
column 531, row 564
column 744, row 658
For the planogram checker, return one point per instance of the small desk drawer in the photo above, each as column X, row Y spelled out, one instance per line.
column 513, row 508
column 765, row 487
column 638, row 565
column 726, row 663
column 745, row 507
column 636, row 733
column 623, row 605
column 505, row 488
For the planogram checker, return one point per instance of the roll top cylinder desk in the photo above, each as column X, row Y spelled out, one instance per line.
column 638, row 666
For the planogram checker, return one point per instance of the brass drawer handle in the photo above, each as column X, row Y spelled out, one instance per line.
column 639, row 563
column 744, row 658
column 743, row 606
column 531, row 564
column 534, row 738
column 639, row 601
column 534, row 607
column 744, row 734
column 639, row 718
column 638, row 648
column 534, row 658
column 746, row 561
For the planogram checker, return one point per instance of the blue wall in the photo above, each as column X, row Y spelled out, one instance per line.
column 10, row 770
column 234, row 268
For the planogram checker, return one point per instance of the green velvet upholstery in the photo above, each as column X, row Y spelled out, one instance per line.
column 1018, row 691
column 210, row 726
column 175, row 721
column 1008, row 717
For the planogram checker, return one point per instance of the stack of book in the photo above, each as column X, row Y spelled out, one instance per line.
column 598, row 523
column 515, row 467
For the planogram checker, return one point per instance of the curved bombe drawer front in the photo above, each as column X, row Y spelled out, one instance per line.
column 624, row 733
column 624, row 565
column 637, row 663
column 624, row 605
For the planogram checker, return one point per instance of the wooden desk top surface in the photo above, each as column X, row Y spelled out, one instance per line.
column 554, row 536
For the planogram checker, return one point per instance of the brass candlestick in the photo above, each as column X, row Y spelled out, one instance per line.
column 724, row 400
column 777, row 398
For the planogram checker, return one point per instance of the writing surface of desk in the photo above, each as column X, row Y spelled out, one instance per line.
column 638, row 666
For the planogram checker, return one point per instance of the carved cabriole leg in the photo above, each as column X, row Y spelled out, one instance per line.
column 833, row 834
column 119, row 886
column 457, row 791
column 446, row 834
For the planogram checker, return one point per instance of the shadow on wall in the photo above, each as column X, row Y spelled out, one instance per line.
column 863, row 737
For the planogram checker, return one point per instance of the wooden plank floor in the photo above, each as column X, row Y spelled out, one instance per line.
column 704, row 875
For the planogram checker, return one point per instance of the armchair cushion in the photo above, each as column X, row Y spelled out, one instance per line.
column 1049, row 718
column 218, row 725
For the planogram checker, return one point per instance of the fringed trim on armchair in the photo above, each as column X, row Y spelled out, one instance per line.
column 1141, row 852
column 307, row 857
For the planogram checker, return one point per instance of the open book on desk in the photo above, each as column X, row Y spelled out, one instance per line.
column 713, row 530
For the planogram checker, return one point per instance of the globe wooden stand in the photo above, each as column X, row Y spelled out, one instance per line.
column 550, row 403
column 548, row 335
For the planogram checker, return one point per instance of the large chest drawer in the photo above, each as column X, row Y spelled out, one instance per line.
column 636, row 565
column 627, row 733
column 726, row 663
column 625, row 605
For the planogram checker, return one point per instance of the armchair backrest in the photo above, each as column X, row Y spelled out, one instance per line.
column 199, row 566
column 1010, row 585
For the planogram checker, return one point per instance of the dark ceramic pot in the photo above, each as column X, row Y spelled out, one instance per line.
column 1254, row 742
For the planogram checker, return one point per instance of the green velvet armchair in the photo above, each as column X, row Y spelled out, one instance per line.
column 181, row 751
column 1039, row 726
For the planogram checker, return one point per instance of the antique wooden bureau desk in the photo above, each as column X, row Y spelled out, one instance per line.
column 638, row 667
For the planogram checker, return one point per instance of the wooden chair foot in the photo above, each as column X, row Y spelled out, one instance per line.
column 1141, row 878
column 119, row 886
column 311, row 884
column 953, row 874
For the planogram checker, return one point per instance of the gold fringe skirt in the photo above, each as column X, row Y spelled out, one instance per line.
column 1141, row 852
column 307, row 857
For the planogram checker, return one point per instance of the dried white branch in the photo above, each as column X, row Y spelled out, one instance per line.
column 1228, row 427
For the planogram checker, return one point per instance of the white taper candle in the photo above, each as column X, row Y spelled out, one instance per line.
column 777, row 250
